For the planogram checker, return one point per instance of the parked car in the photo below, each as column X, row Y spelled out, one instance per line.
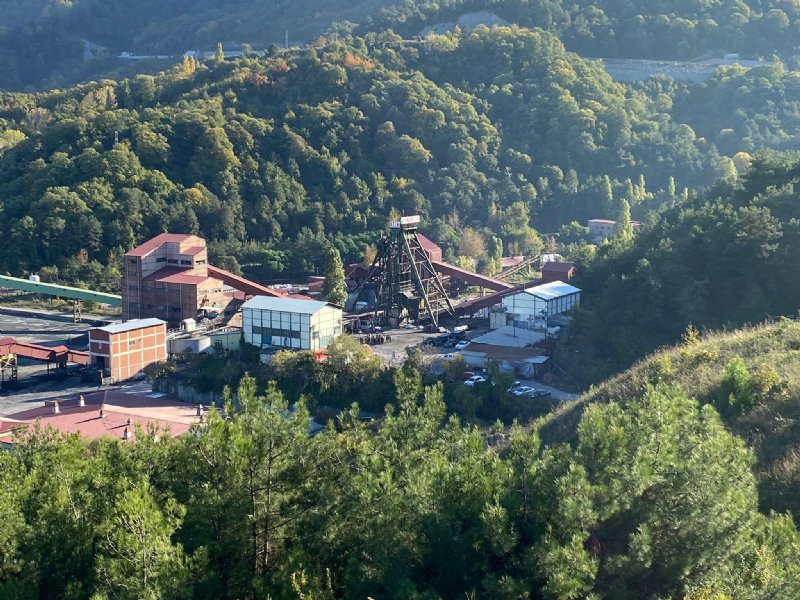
column 461, row 345
column 468, row 374
column 514, row 386
column 473, row 380
column 534, row 393
column 522, row 390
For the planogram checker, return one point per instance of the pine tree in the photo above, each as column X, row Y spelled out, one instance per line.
column 334, row 290
column 219, row 55
column 623, row 228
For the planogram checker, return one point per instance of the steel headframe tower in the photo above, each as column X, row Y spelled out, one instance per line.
column 403, row 276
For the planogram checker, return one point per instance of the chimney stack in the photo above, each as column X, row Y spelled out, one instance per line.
column 200, row 410
column 81, row 401
column 129, row 422
column 56, row 408
column 126, row 435
column 102, row 413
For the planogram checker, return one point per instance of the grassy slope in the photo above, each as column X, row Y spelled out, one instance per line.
column 771, row 429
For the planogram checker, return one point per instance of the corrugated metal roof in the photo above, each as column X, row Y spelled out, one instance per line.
column 131, row 325
column 290, row 305
column 554, row 289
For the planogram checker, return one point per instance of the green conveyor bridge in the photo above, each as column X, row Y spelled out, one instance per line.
column 62, row 291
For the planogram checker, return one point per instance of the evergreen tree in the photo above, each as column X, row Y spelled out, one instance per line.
column 334, row 290
column 623, row 229
column 219, row 55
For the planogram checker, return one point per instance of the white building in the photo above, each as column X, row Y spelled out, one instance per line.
column 290, row 323
column 532, row 306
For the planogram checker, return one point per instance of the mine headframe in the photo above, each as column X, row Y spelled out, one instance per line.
column 402, row 277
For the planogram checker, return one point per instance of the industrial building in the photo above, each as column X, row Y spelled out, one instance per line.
column 169, row 278
column 604, row 228
column 122, row 350
column 535, row 304
column 408, row 279
column 290, row 323
column 558, row 271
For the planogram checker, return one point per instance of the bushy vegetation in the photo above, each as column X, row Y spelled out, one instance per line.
column 655, row 500
column 750, row 376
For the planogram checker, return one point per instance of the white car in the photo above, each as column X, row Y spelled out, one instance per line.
column 522, row 390
column 473, row 380
column 461, row 345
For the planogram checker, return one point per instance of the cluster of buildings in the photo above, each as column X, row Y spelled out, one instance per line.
column 174, row 301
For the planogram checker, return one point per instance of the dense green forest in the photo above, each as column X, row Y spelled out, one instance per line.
column 416, row 506
column 42, row 42
column 272, row 158
column 724, row 258
column 669, row 30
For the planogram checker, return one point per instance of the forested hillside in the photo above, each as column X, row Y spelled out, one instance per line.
column 749, row 376
column 249, row 506
column 664, row 29
column 41, row 42
column 725, row 258
column 501, row 130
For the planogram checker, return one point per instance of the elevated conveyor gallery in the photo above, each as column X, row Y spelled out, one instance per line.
column 243, row 285
column 454, row 272
column 61, row 291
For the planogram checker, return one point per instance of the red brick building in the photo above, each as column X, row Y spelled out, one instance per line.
column 167, row 278
column 122, row 350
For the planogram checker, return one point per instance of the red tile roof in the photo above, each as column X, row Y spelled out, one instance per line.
column 118, row 407
column 194, row 250
column 157, row 241
column 176, row 275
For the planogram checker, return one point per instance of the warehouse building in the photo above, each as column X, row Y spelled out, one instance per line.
column 123, row 350
column 530, row 308
column 290, row 323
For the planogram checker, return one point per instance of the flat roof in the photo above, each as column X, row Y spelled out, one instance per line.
column 510, row 337
column 554, row 289
column 290, row 305
column 194, row 250
column 131, row 325
column 154, row 243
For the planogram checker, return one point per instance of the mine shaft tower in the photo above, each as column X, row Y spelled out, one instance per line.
column 404, row 279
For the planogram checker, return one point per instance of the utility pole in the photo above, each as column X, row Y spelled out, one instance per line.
column 286, row 34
